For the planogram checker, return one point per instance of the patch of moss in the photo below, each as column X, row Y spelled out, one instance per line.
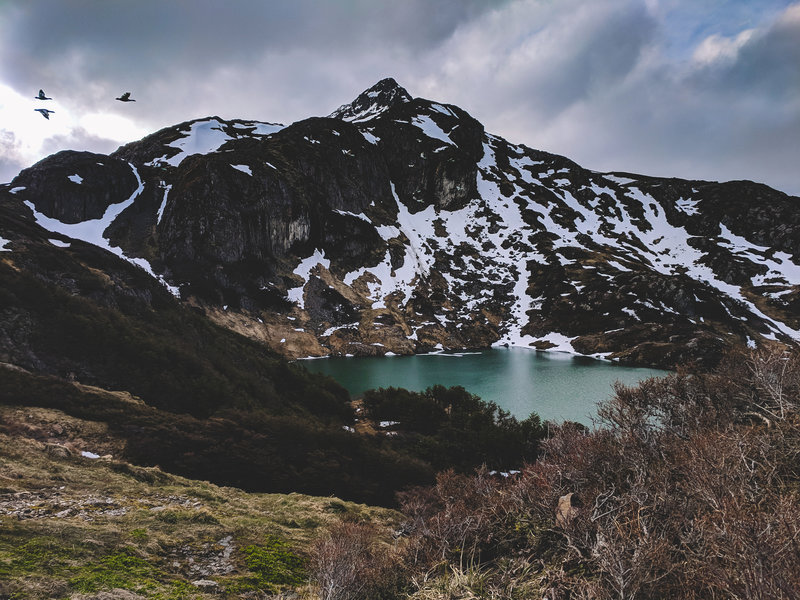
column 120, row 570
column 39, row 555
column 140, row 535
column 187, row 516
column 274, row 564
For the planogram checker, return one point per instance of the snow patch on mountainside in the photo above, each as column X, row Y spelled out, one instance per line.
column 431, row 129
column 244, row 169
column 382, row 278
column 203, row 137
column 208, row 135
column 370, row 138
column 92, row 231
column 303, row 270
column 780, row 267
column 161, row 208
column 258, row 128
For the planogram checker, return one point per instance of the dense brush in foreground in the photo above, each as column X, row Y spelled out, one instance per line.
column 687, row 490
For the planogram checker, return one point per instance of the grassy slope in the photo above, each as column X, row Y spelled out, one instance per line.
column 72, row 525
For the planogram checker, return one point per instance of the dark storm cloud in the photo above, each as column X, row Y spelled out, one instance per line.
column 595, row 54
column 546, row 58
column 664, row 87
column 147, row 37
column 80, row 138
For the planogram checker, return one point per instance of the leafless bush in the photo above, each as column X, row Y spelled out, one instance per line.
column 457, row 519
column 350, row 563
column 772, row 374
column 750, row 552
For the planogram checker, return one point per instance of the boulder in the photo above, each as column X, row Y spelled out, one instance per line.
column 567, row 509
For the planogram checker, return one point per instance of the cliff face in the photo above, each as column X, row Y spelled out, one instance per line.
column 398, row 224
column 64, row 194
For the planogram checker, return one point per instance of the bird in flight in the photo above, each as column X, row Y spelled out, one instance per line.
column 41, row 96
column 44, row 112
column 126, row 97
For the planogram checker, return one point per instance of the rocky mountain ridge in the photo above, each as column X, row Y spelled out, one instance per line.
column 399, row 225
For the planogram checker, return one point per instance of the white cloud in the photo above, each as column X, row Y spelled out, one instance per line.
column 113, row 127
column 717, row 47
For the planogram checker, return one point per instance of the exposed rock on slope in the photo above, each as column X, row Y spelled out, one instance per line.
column 398, row 224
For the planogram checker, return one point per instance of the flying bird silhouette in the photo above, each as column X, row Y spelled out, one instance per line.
column 41, row 96
column 126, row 97
column 44, row 112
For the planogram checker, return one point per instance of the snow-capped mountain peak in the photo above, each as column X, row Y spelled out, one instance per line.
column 372, row 102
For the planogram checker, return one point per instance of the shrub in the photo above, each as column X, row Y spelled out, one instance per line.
column 452, row 428
column 349, row 563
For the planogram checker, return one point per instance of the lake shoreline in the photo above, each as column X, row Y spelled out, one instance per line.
column 556, row 385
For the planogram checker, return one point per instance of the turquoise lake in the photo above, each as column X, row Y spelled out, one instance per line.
column 556, row 386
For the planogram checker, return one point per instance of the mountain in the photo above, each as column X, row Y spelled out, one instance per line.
column 398, row 224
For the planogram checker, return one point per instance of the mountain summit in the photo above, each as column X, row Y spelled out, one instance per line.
column 399, row 225
column 372, row 102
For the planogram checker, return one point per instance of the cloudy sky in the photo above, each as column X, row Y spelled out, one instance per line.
column 705, row 89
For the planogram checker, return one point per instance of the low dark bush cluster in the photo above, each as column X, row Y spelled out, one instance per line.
column 452, row 428
column 250, row 449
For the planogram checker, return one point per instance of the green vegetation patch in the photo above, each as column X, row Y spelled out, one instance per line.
column 39, row 555
column 273, row 565
column 122, row 570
